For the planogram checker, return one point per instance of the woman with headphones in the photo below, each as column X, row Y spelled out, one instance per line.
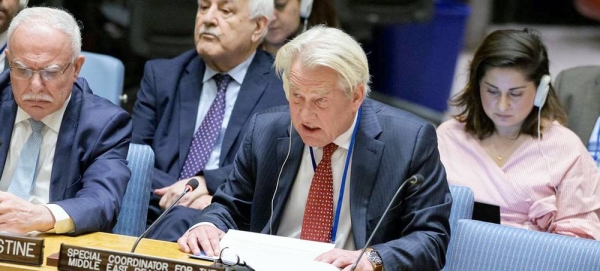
column 293, row 17
column 509, row 144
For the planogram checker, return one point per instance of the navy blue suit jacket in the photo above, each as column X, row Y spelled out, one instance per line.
column 391, row 145
column 90, row 173
column 165, row 112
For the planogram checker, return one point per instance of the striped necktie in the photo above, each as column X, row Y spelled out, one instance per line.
column 26, row 171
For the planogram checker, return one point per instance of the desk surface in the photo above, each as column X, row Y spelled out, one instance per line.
column 101, row 240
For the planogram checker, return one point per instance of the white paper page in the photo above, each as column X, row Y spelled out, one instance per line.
column 268, row 252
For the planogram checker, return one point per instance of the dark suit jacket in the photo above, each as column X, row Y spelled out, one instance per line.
column 90, row 173
column 165, row 112
column 579, row 91
column 391, row 145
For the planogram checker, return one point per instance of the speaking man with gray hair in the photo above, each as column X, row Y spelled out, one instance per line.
column 325, row 167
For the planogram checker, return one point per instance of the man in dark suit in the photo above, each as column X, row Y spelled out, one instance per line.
column 62, row 149
column 176, row 96
column 276, row 182
column 579, row 91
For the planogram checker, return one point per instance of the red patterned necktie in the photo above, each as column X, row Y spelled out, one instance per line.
column 318, row 213
column 208, row 132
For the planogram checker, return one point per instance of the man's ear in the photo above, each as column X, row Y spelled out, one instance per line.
column 77, row 64
column 358, row 96
column 262, row 24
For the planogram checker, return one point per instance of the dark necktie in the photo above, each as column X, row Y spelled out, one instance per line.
column 208, row 132
column 26, row 171
column 318, row 213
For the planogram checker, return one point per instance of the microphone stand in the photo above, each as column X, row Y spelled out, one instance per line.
column 191, row 185
column 411, row 181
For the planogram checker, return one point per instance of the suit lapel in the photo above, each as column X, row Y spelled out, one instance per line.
column 8, row 112
column 252, row 89
column 364, row 175
column 64, row 144
column 190, row 88
column 288, row 174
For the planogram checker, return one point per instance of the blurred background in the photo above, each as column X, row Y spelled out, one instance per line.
column 418, row 49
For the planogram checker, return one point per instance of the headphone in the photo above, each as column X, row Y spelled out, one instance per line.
column 539, row 101
column 22, row 4
column 305, row 8
column 278, row 178
column 542, row 91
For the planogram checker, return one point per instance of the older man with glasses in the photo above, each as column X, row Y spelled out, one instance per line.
column 62, row 149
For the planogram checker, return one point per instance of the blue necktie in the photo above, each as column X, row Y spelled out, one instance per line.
column 208, row 132
column 26, row 171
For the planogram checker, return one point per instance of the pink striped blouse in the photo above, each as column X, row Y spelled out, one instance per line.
column 552, row 185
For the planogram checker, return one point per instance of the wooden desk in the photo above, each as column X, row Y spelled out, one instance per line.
column 101, row 240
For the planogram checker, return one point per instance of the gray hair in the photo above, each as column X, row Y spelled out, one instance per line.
column 327, row 47
column 258, row 8
column 55, row 18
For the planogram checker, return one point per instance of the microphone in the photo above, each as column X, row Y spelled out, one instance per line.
column 413, row 180
column 189, row 187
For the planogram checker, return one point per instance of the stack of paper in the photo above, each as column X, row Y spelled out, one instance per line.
column 268, row 252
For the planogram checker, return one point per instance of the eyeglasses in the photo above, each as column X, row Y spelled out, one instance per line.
column 48, row 74
column 232, row 260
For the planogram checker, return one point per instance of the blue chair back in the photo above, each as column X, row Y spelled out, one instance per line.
column 134, row 209
column 485, row 246
column 463, row 200
column 105, row 75
column 462, row 205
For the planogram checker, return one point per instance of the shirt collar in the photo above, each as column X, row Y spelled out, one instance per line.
column 3, row 38
column 343, row 140
column 238, row 73
column 53, row 120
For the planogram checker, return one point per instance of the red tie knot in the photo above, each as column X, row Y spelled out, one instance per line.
column 329, row 149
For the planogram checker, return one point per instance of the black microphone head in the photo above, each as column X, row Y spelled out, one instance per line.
column 416, row 179
column 192, row 184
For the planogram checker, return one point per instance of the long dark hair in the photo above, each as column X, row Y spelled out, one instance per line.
column 515, row 49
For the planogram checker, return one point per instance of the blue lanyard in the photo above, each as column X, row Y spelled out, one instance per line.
column 3, row 47
column 338, row 209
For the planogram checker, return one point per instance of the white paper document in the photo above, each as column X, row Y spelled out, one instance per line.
column 269, row 253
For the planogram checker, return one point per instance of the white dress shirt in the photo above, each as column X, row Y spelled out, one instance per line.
column 291, row 222
column 41, row 189
column 2, row 50
column 209, row 93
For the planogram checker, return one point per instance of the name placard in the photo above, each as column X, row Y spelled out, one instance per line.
column 74, row 258
column 21, row 250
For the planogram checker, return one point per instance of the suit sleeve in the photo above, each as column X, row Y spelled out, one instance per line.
column 215, row 177
column 232, row 202
column 424, row 222
column 97, row 203
column 145, row 121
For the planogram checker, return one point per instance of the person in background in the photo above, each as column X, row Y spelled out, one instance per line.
column 512, row 149
column 63, row 150
column 579, row 90
column 290, row 21
column 193, row 109
column 8, row 10
column 333, row 160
